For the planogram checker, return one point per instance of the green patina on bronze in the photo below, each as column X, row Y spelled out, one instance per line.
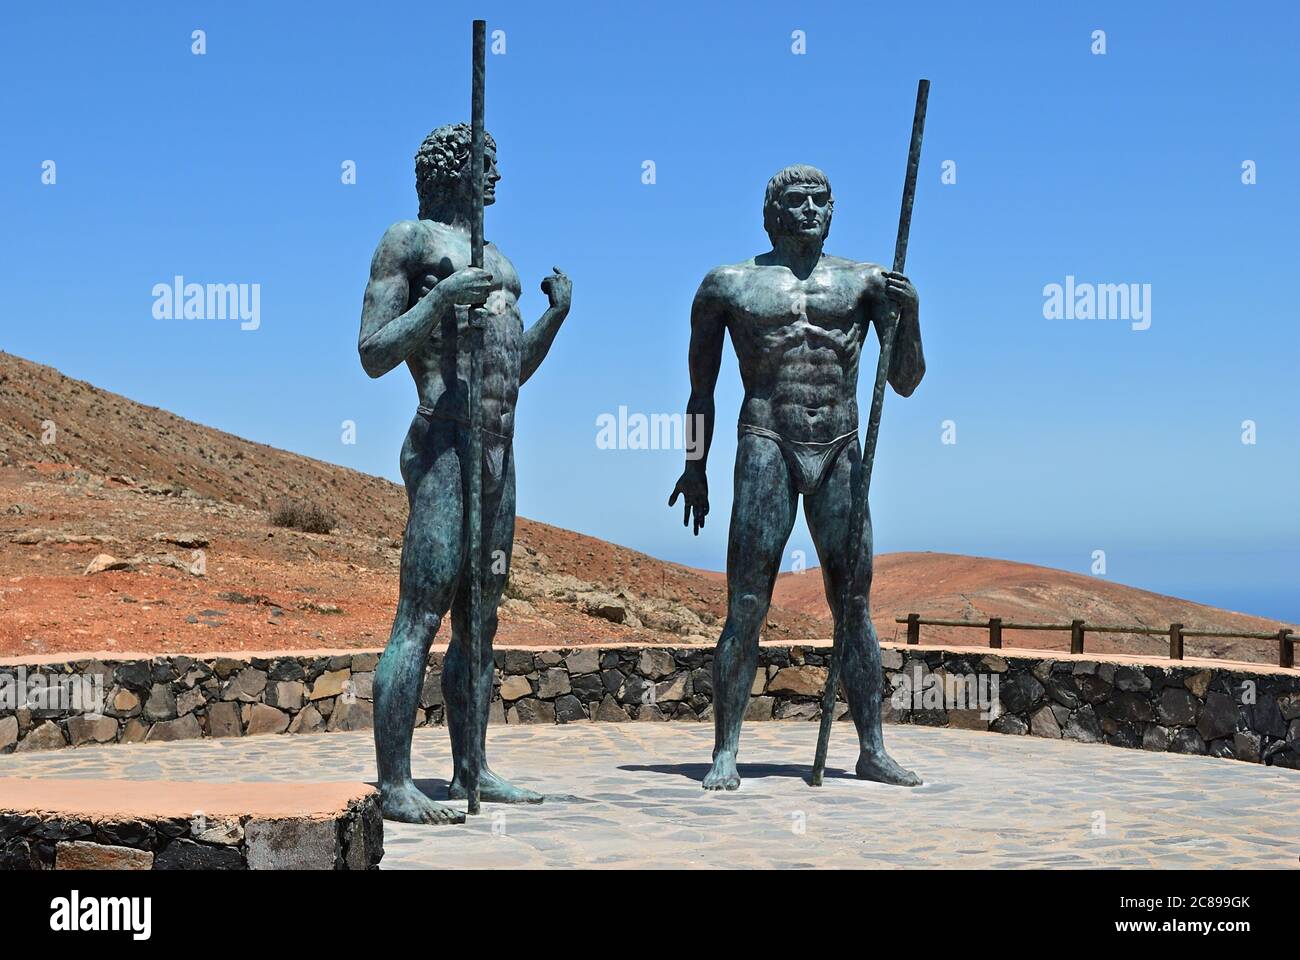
column 427, row 305
column 797, row 318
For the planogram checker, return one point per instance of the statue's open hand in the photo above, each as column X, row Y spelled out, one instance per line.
column 900, row 291
column 558, row 289
column 467, row 288
column 693, row 487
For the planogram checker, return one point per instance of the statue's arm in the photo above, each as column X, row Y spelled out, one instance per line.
column 907, row 362
column 708, row 325
column 539, row 337
column 389, row 331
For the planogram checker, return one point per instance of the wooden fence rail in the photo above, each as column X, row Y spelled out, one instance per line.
column 1286, row 637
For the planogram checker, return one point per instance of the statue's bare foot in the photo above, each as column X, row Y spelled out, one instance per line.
column 492, row 788
column 723, row 775
column 407, row 804
column 881, row 768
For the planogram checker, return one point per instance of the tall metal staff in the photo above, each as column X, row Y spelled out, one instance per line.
column 858, row 510
column 474, row 485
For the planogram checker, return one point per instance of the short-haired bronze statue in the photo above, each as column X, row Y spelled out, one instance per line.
column 797, row 318
column 417, row 311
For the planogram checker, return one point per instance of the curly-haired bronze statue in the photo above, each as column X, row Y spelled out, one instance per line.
column 416, row 311
column 441, row 172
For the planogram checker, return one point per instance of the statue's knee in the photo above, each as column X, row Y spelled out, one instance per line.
column 429, row 621
column 859, row 609
column 747, row 612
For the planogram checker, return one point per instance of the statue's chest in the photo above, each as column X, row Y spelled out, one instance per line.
column 456, row 257
column 823, row 301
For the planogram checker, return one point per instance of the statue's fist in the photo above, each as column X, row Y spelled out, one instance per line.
column 467, row 288
column 693, row 488
column 900, row 291
column 558, row 289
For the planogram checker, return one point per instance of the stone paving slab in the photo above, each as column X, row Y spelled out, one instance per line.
column 628, row 795
column 154, row 798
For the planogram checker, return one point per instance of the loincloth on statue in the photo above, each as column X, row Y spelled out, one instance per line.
column 495, row 444
column 809, row 461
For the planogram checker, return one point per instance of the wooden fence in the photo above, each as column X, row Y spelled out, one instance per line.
column 1286, row 637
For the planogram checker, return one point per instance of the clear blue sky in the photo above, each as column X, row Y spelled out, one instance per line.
column 1072, row 435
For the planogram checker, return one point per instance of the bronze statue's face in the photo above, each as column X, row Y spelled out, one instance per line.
column 804, row 210
column 490, row 177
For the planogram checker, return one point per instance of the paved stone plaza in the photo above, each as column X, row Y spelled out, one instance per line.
column 628, row 795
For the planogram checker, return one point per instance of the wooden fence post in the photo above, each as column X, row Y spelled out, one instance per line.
column 1285, row 649
column 1175, row 641
column 995, row 633
column 913, row 628
column 1076, row 636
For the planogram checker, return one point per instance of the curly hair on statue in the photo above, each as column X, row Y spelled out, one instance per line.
column 440, row 163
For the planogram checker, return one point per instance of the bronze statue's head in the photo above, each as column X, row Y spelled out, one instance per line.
column 798, row 203
column 441, row 172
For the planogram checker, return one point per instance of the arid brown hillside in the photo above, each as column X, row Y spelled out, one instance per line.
column 160, row 493
column 182, row 511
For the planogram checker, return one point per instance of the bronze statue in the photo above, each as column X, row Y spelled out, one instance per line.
column 417, row 310
column 797, row 318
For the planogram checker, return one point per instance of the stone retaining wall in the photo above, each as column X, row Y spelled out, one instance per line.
column 1250, row 713
column 350, row 838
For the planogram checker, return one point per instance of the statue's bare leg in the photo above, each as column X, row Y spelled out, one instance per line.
column 762, row 515
column 431, row 553
column 498, row 541
column 827, row 511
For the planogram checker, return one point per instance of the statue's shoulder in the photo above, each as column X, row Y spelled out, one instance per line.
column 868, row 274
column 404, row 238
column 854, row 266
column 721, row 282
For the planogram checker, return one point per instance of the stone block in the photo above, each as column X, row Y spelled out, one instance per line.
column 161, row 704
column 224, row 720
column 329, row 684
column 266, row 719
column 86, row 728
column 286, row 694
column 307, row 720
column 351, row 715
column 798, row 681
column 656, row 664
column 182, row 728
column 44, row 736
column 532, row 710
column 610, row 711
column 568, row 709
column 1218, row 717
column 246, row 686
column 84, row 855
column 584, row 660
column 1178, row 708
column 292, row 844
column 515, row 687
column 552, row 683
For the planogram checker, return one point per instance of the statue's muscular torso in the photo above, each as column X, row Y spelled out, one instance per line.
column 440, row 370
column 799, row 342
